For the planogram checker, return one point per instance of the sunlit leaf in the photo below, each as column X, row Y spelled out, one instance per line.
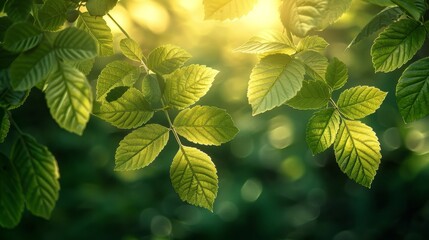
column 73, row 44
column 99, row 31
column 167, row 58
column 385, row 3
column 336, row 74
column 268, row 42
column 100, row 7
column 151, row 89
column 139, row 148
column 131, row 49
column 412, row 91
column 334, row 10
column 415, row 8
column 357, row 151
column 4, row 124
column 69, row 98
column 131, row 110
column 52, row 14
column 273, row 81
column 21, row 37
column 186, row 85
column 205, row 125
column 12, row 198
column 227, row 9
column 194, row 177
column 312, row 43
column 315, row 64
column 397, row 44
column 38, row 171
column 312, row 95
column 322, row 129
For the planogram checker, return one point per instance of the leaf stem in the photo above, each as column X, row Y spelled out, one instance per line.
column 167, row 115
column 119, row 26
column 15, row 125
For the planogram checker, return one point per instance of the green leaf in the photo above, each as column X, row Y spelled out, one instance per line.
column 52, row 15
column 193, row 176
column 312, row 43
column 12, row 199
column 384, row 3
column 312, row 95
column 167, row 58
column 186, row 85
column 69, row 98
column 4, row 124
column 139, row 148
column 227, row 9
column 322, row 129
column 73, row 44
column 383, row 19
column 315, row 64
column 336, row 74
column 266, row 43
column 131, row 110
column 5, row 23
column 99, row 31
column 38, row 171
column 412, row 91
column 100, row 7
column 9, row 98
column 131, row 49
column 85, row 66
column 273, row 81
column 151, row 89
column 205, row 125
column 21, row 36
column 414, row 8
column 334, row 10
column 397, row 44
column 361, row 101
column 117, row 73
column 18, row 10
column 357, row 151
column 32, row 67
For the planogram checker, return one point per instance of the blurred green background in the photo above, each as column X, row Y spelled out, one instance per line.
column 270, row 185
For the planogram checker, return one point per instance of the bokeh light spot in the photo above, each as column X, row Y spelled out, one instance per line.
column 293, row 168
column 251, row 190
column 227, row 211
column 160, row 226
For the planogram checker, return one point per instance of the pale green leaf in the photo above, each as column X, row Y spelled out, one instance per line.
column 266, row 43
column 336, row 74
column 205, row 125
column 52, row 15
column 415, row 8
column 139, row 148
column 397, row 44
column 131, row 110
column 21, row 37
column 273, row 81
column 227, row 9
column 32, row 67
column 186, row 85
column 361, row 101
column 117, row 73
column 100, row 7
column 69, row 98
column 315, row 64
column 334, row 11
column 412, row 91
column 357, row 151
column 381, row 20
column 73, row 44
column 193, row 176
column 151, row 89
column 312, row 43
column 322, row 129
column 384, row 3
column 312, row 95
column 4, row 124
column 131, row 49
column 167, row 58
column 99, row 31
column 38, row 171
column 12, row 198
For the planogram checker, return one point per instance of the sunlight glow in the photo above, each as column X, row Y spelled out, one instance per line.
column 149, row 14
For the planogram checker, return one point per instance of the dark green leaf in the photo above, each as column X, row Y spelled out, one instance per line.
column 4, row 124
column 52, row 15
column 312, row 95
column 414, row 8
column 336, row 74
column 18, row 10
column 5, row 23
column 10, row 98
column 116, row 93
column 21, row 37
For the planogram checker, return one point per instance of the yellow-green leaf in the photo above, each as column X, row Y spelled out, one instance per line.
column 312, row 43
column 322, row 129
column 336, row 74
column 73, row 44
column 268, row 42
column 131, row 49
column 227, row 9
column 99, row 31
column 315, row 64
column 312, row 95
column 167, row 58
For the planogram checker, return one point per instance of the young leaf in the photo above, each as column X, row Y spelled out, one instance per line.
column 194, row 177
column 117, row 73
column 312, row 95
column 336, row 74
column 167, row 58
column 361, row 101
column 381, row 20
column 10, row 99
column 131, row 49
column 227, row 9
column 205, row 125
column 139, row 148
column 186, row 85
column 322, row 129
column 412, row 91
column 397, row 44
column 73, row 44
column 4, row 124
column 21, row 36
column 69, row 98
column 266, row 43
column 12, row 199
column 315, row 64
column 312, row 43
column 52, row 15
column 31, row 67
column 100, row 7
column 273, row 81
column 415, row 8
column 357, row 151
column 131, row 110
column 99, row 31
column 38, row 171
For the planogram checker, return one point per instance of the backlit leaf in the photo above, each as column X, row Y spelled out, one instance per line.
column 312, row 43
column 131, row 49
column 336, row 74
column 268, row 42
column 21, row 37
column 312, row 95
column 85, row 66
column 73, row 44
column 52, row 15
column 227, row 9
column 415, row 8
column 151, row 89
column 167, row 58
column 315, row 64
column 99, row 31
column 322, row 129
column 100, row 7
